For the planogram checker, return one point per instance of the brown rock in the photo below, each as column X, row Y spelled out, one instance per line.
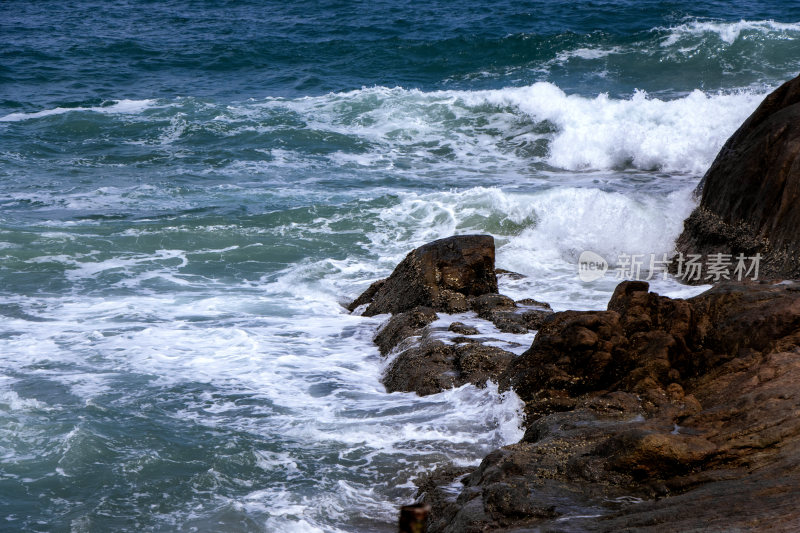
column 434, row 366
column 656, row 454
column 486, row 304
column 463, row 329
column 402, row 326
column 508, row 322
column 535, row 318
column 507, row 316
column 478, row 363
column 442, row 275
column 751, row 193
column 366, row 296
column 654, row 415
column 530, row 302
column 426, row 369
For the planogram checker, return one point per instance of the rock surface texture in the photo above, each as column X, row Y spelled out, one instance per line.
column 441, row 275
column 657, row 414
column 751, row 194
column 453, row 275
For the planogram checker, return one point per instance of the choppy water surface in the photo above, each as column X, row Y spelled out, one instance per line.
column 189, row 191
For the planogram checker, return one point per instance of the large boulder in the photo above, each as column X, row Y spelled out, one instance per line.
column 441, row 275
column 656, row 414
column 751, row 194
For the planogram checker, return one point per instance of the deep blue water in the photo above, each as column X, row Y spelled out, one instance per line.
column 57, row 53
column 190, row 189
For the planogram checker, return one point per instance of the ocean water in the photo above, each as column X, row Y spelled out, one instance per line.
column 189, row 190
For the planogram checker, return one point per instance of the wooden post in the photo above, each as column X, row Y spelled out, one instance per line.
column 414, row 518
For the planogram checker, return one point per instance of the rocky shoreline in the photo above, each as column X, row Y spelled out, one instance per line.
column 657, row 414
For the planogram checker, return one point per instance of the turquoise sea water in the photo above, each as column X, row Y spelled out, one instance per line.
column 190, row 189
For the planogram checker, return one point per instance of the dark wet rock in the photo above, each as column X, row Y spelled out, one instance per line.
column 453, row 302
column 638, row 344
column 425, row 369
column 656, row 414
column 501, row 311
column 508, row 322
column 536, row 304
column 442, row 275
column 434, row 366
column 463, row 339
column 402, row 326
column 449, row 275
column 478, row 363
column 518, row 321
column 522, row 486
column 441, row 486
column 509, row 316
column 366, row 296
column 509, row 274
column 497, row 309
column 534, row 318
column 463, row 329
column 485, row 304
column 751, row 193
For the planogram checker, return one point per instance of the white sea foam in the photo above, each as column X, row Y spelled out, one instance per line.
column 729, row 32
column 587, row 53
column 312, row 369
column 499, row 131
column 648, row 133
column 563, row 221
column 540, row 234
column 11, row 400
column 119, row 107
column 404, row 126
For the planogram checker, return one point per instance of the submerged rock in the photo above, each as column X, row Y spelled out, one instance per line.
column 751, row 193
column 426, row 369
column 434, row 366
column 442, row 275
column 402, row 326
column 509, row 316
column 463, row 329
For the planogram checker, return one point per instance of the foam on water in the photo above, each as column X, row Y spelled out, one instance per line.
column 683, row 134
column 647, row 133
column 729, row 32
column 587, row 53
column 313, row 379
column 412, row 132
column 540, row 234
column 118, row 107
